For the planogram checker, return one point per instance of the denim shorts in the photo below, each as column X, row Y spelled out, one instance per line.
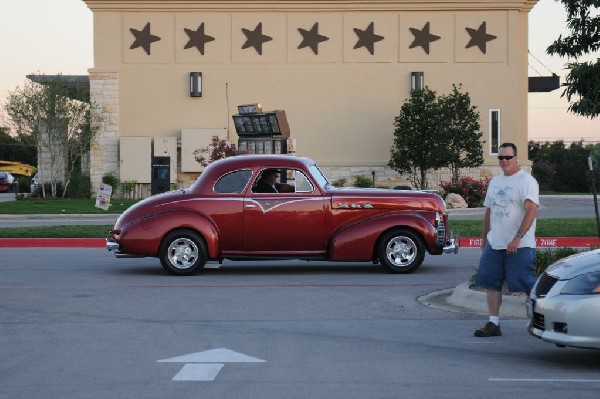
column 496, row 267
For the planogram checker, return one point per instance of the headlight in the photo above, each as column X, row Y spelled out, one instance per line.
column 586, row 284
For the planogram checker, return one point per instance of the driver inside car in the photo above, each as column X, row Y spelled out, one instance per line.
column 267, row 183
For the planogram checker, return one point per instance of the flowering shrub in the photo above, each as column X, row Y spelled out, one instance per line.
column 473, row 191
column 216, row 150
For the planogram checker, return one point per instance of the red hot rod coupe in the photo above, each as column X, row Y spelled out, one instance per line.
column 227, row 214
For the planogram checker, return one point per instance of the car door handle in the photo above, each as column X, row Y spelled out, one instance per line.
column 250, row 206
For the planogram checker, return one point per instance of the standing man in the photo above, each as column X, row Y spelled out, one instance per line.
column 508, row 239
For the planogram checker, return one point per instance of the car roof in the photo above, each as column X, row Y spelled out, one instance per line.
column 222, row 166
column 256, row 161
column 261, row 160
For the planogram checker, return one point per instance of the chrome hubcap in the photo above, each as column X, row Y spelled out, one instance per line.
column 401, row 251
column 183, row 253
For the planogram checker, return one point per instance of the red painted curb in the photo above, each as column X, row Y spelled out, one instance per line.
column 542, row 242
column 465, row 242
column 52, row 242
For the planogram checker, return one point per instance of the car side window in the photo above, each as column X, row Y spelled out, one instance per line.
column 274, row 181
column 233, row 182
column 303, row 185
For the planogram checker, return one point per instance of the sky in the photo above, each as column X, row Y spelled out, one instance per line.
column 56, row 36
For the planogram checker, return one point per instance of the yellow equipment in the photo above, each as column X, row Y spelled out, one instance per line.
column 17, row 168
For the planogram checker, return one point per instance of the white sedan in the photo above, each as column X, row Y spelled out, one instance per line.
column 564, row 305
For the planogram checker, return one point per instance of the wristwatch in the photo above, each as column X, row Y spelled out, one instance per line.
column 519, row 235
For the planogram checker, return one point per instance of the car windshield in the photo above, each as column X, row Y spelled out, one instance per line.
column 318, row 175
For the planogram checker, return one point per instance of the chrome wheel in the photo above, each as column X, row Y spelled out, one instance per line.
column 182, row 253
column 401, row 251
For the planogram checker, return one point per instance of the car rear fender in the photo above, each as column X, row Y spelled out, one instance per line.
column 358, row 241
column 145, row 236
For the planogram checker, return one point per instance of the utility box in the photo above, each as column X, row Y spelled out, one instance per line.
column 161, row 172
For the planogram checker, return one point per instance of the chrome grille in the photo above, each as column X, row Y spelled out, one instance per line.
column 538, row 321
column 441, row 232
column 544, row 284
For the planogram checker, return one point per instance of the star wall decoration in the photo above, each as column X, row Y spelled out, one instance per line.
column 197, row 38
column 423, row 38
column 311, row 38
column 367, row 38
column 255, row 38
column 143, row 38
column 479, row 37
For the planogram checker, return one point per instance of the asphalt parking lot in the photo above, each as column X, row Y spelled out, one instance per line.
column 78, row 323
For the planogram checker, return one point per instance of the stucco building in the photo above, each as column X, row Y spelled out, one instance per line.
column 341, row 70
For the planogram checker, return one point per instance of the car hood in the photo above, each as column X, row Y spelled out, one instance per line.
column 575, row 265
column 356, row 198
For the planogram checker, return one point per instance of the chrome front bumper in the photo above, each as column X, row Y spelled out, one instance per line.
column 452, row 245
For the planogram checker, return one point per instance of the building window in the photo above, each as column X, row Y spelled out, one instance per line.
column 494, row 131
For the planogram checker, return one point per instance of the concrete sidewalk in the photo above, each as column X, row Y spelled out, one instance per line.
column 463, row 299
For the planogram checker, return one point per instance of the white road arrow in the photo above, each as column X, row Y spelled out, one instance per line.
column 204, row 366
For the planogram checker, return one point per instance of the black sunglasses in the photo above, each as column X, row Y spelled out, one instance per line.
column 505, row 157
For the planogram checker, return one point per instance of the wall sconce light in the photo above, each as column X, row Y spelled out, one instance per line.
column 195, row 84
column 417, row 81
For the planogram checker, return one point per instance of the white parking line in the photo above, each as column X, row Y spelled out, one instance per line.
column 541, row 380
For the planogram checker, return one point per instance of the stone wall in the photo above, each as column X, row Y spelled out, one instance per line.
column 104, row 153
column 387, row 177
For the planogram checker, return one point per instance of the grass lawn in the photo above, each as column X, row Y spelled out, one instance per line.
column 30, row 206
column 563, row 227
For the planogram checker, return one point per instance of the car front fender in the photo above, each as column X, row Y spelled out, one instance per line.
column 357, row 242
column 144, row 236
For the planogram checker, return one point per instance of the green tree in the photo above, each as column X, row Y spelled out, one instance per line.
column 561, row 168
column 83, row 129
column 583, row 79
column 419, row 141
column 462, row 131
column 434, row 132
column 61, row 125
column 16, row 149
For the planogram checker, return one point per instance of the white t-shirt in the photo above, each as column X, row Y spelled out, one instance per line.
column 506, row 197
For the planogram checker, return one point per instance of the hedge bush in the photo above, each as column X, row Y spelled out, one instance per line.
column 362, row 181
column 559, row 168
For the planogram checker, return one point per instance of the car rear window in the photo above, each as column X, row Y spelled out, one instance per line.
column 3, row 175
column 233, row 182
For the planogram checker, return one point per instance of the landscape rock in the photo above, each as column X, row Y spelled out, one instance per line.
column 455, row 201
